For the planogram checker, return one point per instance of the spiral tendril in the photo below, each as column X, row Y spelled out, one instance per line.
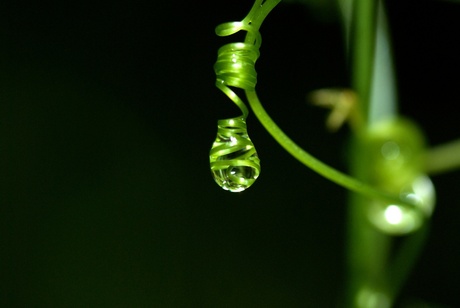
column 235, row 164
column 235, row 65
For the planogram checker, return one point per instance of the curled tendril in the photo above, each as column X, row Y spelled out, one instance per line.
column 235, row 67
column 235, row 164
column 234, row 161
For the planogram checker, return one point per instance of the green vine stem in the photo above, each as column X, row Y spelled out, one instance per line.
column 313, row 163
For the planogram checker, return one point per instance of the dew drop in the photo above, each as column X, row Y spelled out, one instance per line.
column 395, row 219
column 234, row 162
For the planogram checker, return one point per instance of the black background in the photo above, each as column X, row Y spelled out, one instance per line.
column 108, row 111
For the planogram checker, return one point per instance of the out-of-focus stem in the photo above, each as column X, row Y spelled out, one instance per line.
column 442, row 158
column 362, row 52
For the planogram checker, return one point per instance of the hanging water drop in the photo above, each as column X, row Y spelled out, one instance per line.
column 235, row 164
column 396, row 149
column 395, row 219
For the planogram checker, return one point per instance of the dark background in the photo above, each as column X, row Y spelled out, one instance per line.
column 107, row 114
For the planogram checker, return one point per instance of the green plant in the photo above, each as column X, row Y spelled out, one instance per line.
column 392, row 197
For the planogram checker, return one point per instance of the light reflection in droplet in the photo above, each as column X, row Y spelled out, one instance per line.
column 397, row 219
column 393, row 214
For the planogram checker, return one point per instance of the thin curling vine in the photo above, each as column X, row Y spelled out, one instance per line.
column 235, row 164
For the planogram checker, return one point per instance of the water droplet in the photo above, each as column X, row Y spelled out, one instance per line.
column 396, row 219
column 235, row 164
column 396, row 150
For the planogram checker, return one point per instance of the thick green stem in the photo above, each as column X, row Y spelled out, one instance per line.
column 376, row 271
column 363, row 42
column 367, row 249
